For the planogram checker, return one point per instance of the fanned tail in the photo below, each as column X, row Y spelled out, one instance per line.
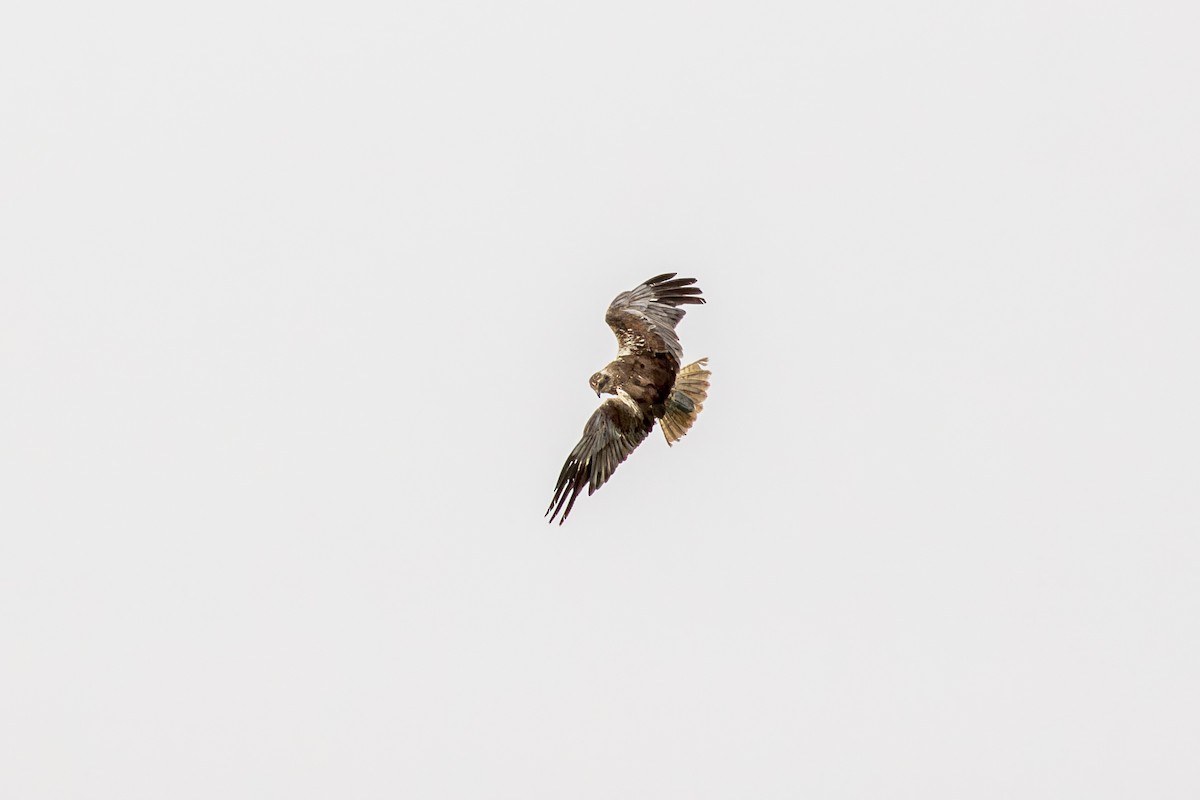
column 686, row 400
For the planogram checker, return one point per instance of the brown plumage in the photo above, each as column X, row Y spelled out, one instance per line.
column 646, row 381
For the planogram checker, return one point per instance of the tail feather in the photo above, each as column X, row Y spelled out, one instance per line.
column 686, row 400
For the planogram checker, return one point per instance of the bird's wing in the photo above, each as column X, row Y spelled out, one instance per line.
column 612, row 433
column 644, row 319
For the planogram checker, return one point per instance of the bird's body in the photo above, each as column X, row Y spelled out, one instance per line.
column 647, row 384
column 646, row 378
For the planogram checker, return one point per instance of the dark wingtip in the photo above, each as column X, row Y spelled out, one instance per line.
column 657, row 279
column 678, row 292
column 568, row 489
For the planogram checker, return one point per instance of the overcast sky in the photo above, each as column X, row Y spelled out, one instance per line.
column 298, row 305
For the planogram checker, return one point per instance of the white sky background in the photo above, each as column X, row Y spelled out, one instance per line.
column 297, row 310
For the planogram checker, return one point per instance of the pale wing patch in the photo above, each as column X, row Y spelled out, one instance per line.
column 624, row 397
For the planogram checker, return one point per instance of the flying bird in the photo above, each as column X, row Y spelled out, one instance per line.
column 647, row 384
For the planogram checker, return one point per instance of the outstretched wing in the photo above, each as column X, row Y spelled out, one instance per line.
column 611, row 434
column 644, row 319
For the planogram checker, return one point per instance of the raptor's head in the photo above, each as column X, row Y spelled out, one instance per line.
column 602, row 382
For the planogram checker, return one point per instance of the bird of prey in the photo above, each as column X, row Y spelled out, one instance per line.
column 647, row 384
